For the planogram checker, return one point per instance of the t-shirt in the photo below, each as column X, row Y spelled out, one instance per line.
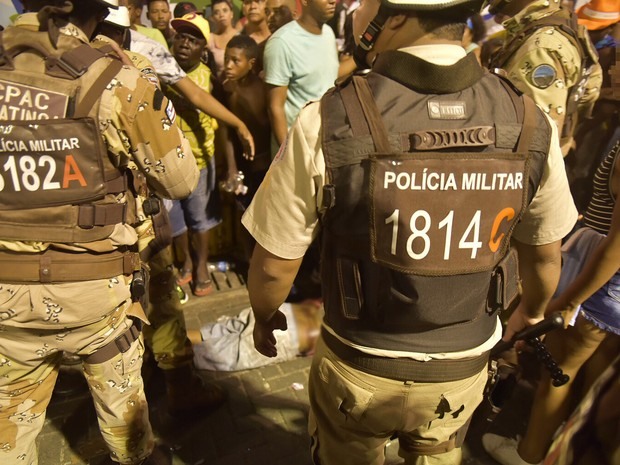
column 153, row 33
column 167, row 68
column 198, row 127
column 307, row 63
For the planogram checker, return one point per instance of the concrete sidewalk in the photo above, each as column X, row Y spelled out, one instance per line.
column 263, row 422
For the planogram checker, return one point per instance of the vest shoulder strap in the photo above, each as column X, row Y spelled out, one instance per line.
column 562, row 19
column 61, row 62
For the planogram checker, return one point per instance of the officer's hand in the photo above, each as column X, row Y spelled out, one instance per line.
column 567, row 308
column 264, row 340
column 518, row 321
column 247, row 140
column 121, row 54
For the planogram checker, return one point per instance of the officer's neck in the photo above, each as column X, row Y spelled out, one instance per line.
column 402, row 31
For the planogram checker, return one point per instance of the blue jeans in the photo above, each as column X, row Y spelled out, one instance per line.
column 201, row 211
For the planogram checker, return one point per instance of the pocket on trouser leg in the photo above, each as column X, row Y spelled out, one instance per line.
column 448, row 408
column 350, row 396
column 338, row 402
column 314, row 439
column 122, row 411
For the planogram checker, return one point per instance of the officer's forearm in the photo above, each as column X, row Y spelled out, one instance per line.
column 269, row 281
column 539, row 267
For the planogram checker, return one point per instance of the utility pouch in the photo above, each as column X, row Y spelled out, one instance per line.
column 504, row 287
column 139, row 287
column 161, row 226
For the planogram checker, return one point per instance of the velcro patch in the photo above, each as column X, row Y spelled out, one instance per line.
column 171, row 112
column 158, row 98
column 447, row 110
column 543, row 76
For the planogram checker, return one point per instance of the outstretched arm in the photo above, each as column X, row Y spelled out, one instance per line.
column 211, row 106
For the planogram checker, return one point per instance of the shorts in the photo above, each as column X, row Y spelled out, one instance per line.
column 201, row 211
column 602, row 308
column 253, row 181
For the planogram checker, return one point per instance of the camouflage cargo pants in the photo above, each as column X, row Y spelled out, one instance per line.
column 37, row 323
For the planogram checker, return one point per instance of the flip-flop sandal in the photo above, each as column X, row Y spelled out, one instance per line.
column 202, row 288
column 185, row 276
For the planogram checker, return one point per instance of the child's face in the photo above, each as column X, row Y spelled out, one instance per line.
column 236, row 64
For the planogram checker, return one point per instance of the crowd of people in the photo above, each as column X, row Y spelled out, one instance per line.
column 401, row 153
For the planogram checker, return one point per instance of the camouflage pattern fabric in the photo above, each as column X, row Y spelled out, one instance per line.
column 547, row 65
column 38, row 323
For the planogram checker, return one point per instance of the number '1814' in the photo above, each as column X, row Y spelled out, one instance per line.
column 469, row 240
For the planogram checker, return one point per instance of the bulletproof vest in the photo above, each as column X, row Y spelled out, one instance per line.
column 57, row 182
column 429, row 168
column 564, row 21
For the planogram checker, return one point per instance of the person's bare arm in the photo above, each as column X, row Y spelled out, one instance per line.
column 212, row 107
column 269, row 282
column 347, row 66
column 277, row 99
column 539, row 267
column 600, row 266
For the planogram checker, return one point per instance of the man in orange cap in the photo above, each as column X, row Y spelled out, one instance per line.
column 600, row 18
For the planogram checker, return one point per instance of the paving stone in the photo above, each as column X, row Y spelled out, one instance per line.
column 270, row 371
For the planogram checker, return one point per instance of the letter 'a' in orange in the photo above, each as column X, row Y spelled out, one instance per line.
column 72, row 173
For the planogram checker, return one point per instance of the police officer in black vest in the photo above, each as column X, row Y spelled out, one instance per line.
column 425, row 177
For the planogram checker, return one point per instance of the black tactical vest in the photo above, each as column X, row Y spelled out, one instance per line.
column 419, row 204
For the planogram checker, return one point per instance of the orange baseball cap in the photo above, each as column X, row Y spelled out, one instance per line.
column 194, row 21
column 599, row 14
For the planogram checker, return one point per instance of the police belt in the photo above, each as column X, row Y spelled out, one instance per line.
column 53, row 266
column 405, row 369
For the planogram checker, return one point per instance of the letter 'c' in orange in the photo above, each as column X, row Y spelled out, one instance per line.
column 508, row 213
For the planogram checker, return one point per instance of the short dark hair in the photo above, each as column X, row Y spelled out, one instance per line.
column 148, row 2
column 215, row 2
column 136, row 3
column 448, row 23
column 245, row 43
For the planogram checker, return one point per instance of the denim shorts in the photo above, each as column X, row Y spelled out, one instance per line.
column 200, row 211
column 603, row 307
